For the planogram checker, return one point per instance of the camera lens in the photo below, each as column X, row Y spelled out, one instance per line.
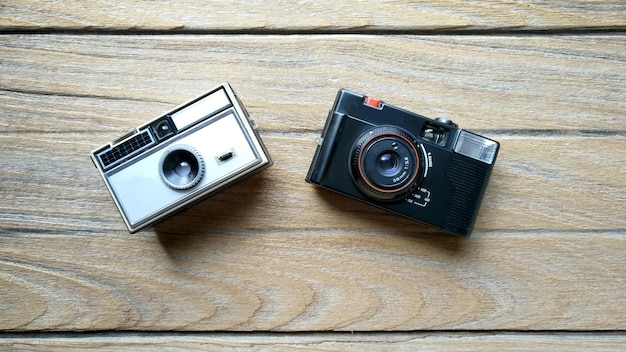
column 386, row 163
column 181, row 167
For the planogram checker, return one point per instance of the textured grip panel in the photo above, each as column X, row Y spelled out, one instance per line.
column 469, row 180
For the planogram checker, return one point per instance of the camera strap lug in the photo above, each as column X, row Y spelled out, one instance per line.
column 253, row 122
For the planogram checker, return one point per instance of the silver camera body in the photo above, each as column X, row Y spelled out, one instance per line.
column 184, row 156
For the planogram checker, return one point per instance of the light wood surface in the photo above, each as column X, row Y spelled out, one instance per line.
column 274, row 254
column 262, row 15
column 448, row 341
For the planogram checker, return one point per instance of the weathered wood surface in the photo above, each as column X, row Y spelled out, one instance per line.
column 106, row 84
column 563, row 183
column 448, row 342
column 194, row 15
column 276, row 254
column 310, row 280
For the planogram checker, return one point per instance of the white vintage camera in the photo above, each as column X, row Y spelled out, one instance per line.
column 181, row 157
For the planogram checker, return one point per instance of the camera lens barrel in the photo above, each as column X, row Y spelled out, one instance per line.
column 181, row 167
column 386, row 163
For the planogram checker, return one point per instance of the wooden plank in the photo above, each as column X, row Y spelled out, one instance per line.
column 312, row 281
column 194, row 15
column 557, row 183
column 113, row 83
column 450, row 342
column 205, row 277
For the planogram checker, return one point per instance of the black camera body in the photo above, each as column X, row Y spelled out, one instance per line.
column 424, row 169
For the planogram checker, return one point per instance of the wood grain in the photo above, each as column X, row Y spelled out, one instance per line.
column 250, row 280
column 449, row 342
column 578, row 183
column 108, row 84
column 194, row 15
column 276, row 254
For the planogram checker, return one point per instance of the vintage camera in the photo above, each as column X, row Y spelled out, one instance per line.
column 427, row 170
column 181, row 157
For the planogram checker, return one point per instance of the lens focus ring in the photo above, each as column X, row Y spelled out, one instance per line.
column 386, row 163
column 181, row 167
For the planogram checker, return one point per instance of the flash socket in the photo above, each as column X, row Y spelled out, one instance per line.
column 224, row 157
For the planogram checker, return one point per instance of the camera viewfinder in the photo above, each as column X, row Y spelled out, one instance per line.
column 163, row 128
column 435, row 134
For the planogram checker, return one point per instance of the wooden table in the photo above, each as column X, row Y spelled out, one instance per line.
column 544, row 270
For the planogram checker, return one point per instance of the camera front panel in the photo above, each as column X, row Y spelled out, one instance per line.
column 426, row 202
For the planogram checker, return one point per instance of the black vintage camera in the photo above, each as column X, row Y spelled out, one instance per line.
column 427, row 170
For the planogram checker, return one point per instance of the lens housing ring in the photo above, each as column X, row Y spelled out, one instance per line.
column 387, row 163
column 181, row 167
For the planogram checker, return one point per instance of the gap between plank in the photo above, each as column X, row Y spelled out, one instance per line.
column 516, row 31
column 330, row 334
column 432, row 233
column 307, row 133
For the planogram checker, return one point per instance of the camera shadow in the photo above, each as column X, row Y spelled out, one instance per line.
column 210, row 223
column 389, row 224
